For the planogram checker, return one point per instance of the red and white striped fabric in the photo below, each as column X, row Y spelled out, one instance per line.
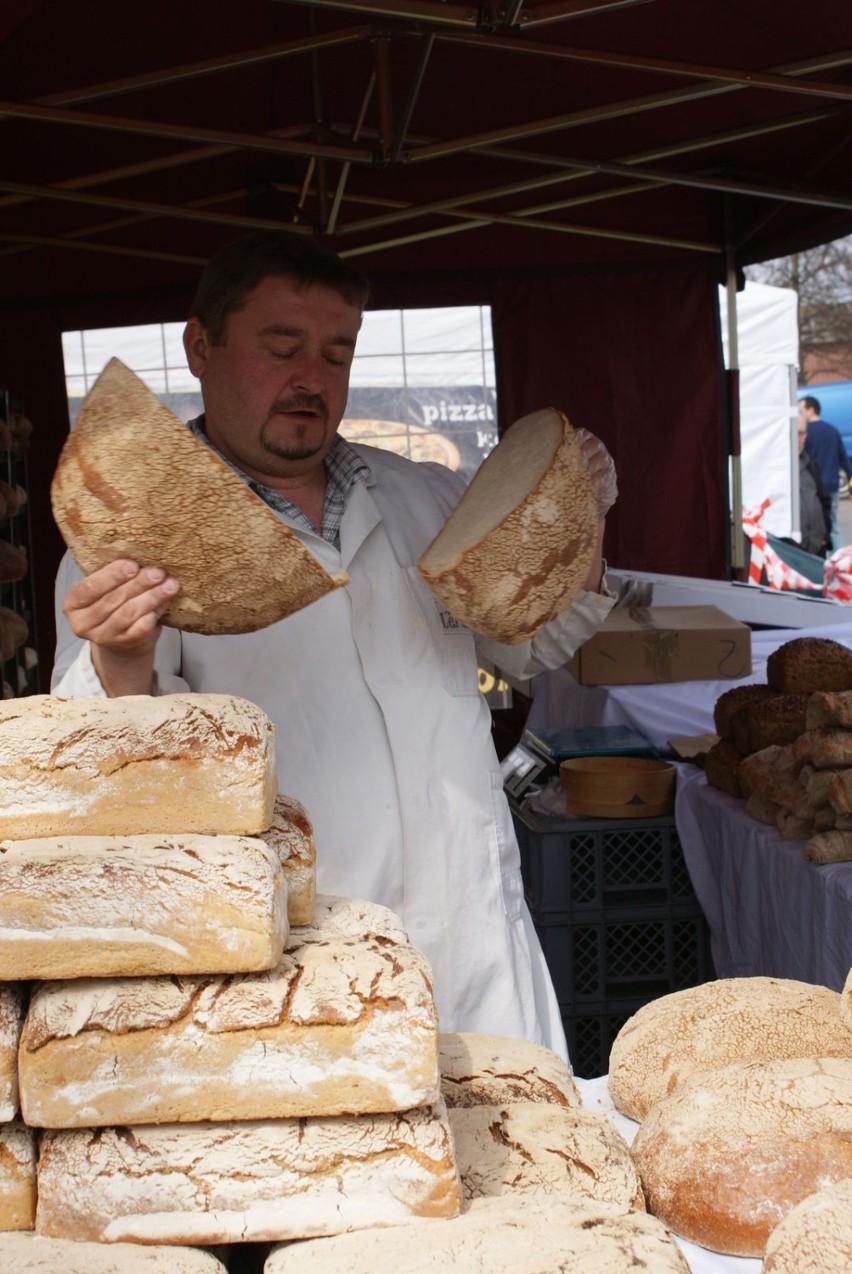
column 764, row 558
column 838, row 575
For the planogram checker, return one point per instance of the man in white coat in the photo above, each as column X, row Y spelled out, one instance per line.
column 381, row 730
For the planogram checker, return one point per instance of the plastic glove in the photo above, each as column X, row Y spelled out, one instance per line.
column 601, row 469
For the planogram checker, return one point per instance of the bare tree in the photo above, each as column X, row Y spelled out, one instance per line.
column 822, row 277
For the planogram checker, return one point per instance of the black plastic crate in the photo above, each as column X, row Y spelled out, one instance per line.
column 640, row 953
column 575, row 865
column 590, row 1032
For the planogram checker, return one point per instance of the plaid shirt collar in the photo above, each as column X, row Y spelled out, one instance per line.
column 343, row 466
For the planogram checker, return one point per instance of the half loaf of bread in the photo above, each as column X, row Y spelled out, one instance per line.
column 133, row 482
column 518, row 546
column 280, row 1179
column 110, row 906
column 137, row 764
column 342, row 1025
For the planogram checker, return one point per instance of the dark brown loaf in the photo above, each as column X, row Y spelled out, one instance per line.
column 729, row 703
column 807, row 664
column 779, row 720
column 721, row 765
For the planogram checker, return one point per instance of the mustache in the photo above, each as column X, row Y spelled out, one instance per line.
column 301, row 402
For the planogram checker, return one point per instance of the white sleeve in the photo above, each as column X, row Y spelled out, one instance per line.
column 73, row 671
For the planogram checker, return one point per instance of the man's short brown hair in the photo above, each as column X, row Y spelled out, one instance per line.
column 240, row 266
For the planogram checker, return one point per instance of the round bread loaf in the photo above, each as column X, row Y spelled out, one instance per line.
column 730, row 702
column 534, row 1148
column 133, row 482
column 722, row 767
column 518, row 546
column 494, row 1070
column 807, row 664
column 816, row 1237
column 731, row 1152
column 707, row 1027
column 529, row 1235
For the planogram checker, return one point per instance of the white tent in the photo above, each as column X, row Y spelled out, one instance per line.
column 768, row 356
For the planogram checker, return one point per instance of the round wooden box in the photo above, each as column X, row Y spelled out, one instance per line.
column 618, row 786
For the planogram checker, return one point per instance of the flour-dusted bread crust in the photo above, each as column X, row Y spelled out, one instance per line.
column 110, row 906
column 846, row 1002
column 490, row 1070
column 518, row 546
column 533, row 1148
column 732, row 1151
column 291, row 835
column 272, row 1180
column 829, row 847
column 174, row 503
column 816, row 1236
column 350, row 918
column 34, row 1254
column 522, row 1235
column 829, row 708
column 710, row 1026
column 137, row 764
column 17, row 1177
column 345, row 1025
column 12, row 1002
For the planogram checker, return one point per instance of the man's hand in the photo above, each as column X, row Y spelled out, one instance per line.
column 118, row 610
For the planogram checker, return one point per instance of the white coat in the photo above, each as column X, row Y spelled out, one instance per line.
column 383, row 734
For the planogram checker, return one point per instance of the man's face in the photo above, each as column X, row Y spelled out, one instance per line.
column 275, row 390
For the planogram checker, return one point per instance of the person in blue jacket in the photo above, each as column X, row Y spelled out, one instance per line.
column 826, row 448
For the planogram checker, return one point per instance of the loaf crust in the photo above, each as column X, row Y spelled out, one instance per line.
column 710, row 1026
column 816, row 1236
column 137, row 764
column 291, row 835
column 175, row 504
column 518, row 546
column 524, row 1235
column 809, row 664
column 343, row 1025
column 351, row 918
column 533, row 1148
column 17, row 1177
column 11, row 1020
column 35, row 1254
column 731, row 701
column 731, row 1152
column 99, row 906
column 493, row 1070
column 272, row 1180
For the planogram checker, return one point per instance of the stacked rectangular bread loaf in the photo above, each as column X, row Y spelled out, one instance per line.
column 786, row 746
column 211, row 1053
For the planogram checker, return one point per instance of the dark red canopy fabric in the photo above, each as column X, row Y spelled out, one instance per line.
column 589, row 168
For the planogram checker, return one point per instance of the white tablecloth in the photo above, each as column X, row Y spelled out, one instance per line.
column 596, row 1097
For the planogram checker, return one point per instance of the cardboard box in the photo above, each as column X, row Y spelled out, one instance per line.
column 647, row 645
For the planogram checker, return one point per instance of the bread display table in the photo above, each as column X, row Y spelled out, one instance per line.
column 770, row 911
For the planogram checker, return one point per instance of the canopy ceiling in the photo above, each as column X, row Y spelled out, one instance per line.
column 588, row 168
column 417, row 135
